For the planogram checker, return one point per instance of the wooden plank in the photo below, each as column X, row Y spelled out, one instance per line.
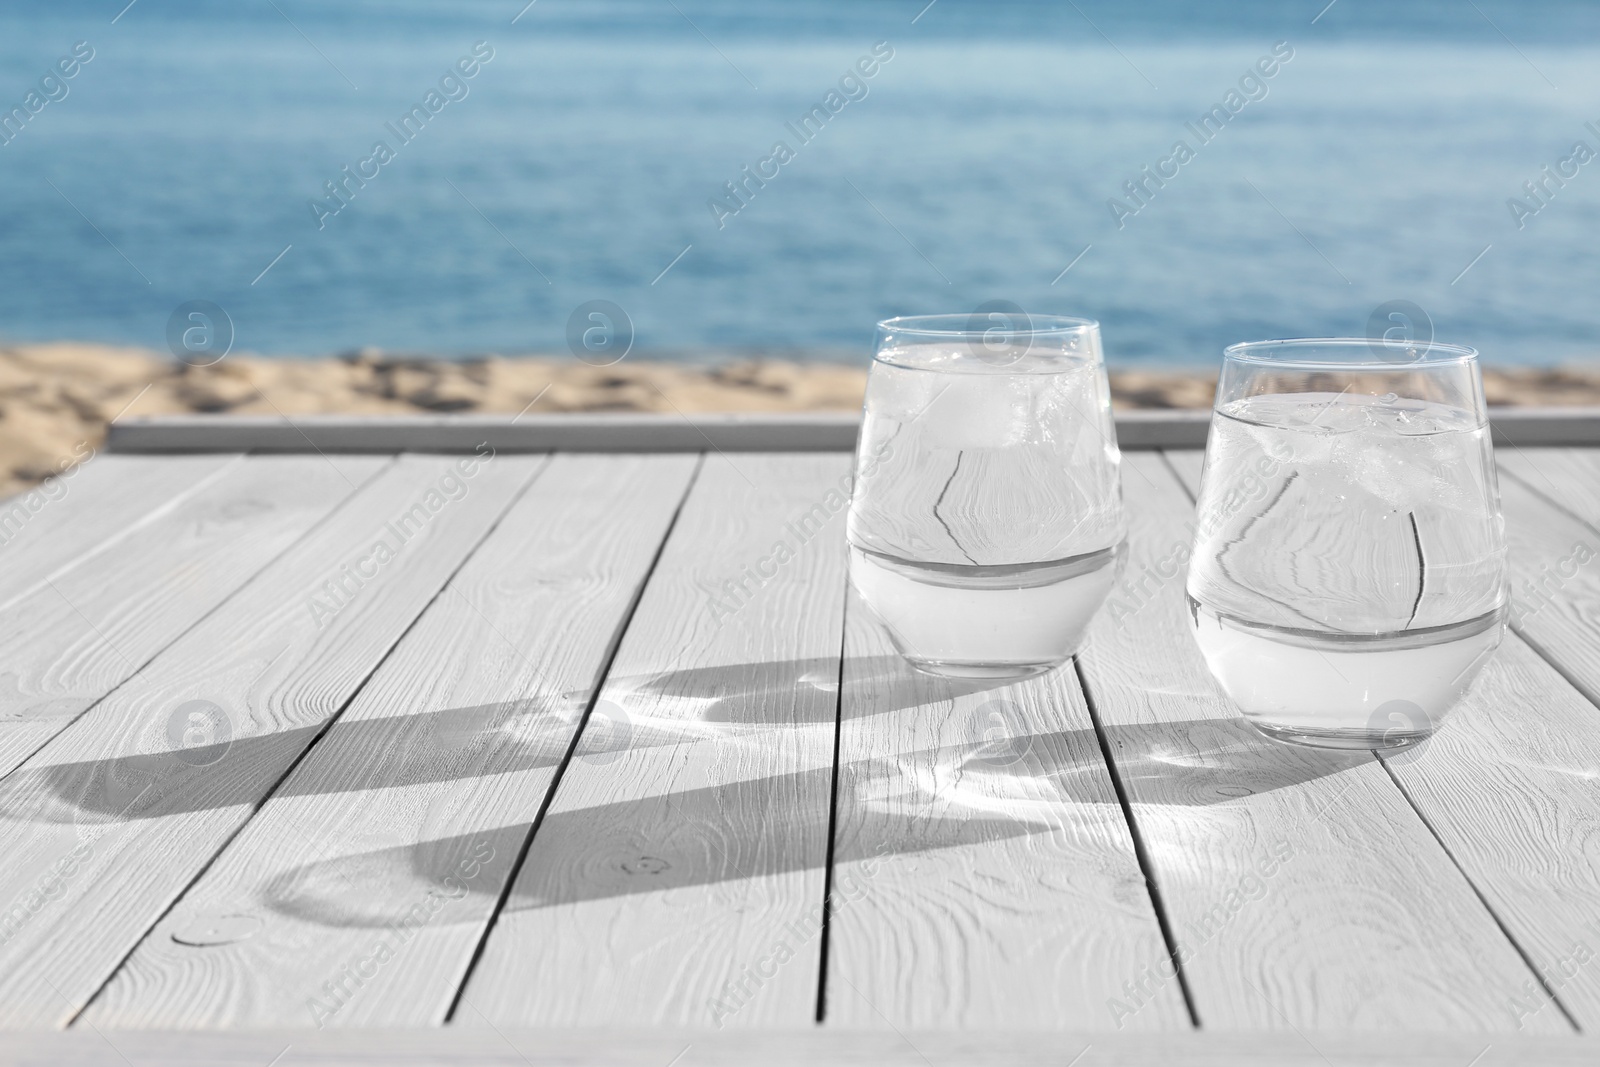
column 1509, row 783
column 1552, row 511
column 71, row 518
column 444, row 759
column 989, row 878
column 1510, row 786
column 788, row 1047
column 1523, row 427
column 1303, row 889
column 1567, row 477
column 1162, row 429
column 109, row 822
column 606, row 432
column 85, row 631
column 810, row 431
column 687, row 840
column 1555, row 591
column 1143, row 430
column 820, row 431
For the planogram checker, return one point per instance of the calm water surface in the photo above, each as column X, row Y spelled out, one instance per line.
column 580, row 162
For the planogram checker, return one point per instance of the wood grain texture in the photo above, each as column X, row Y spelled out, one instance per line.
column 1303, row 889
column 1512, row 782
column 107, row 824
column 984, row 875
column 423, row 792
column 783, row 1047
column 678, row 876
column 1570, row 477
column 84, row 631
column 1509, row 784
column 1552, row 511
column 74, row 517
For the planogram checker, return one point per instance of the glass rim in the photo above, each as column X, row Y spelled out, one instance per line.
column 1406, row 354
column 948, row 325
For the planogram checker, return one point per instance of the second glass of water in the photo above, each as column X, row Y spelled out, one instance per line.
column 986, row 524
column 1348, row 579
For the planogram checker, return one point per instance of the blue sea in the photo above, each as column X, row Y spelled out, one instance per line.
column 934, row 157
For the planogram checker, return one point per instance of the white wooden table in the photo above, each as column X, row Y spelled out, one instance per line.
column 581, row 767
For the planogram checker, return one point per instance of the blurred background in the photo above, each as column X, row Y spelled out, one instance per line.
column 1366, row 185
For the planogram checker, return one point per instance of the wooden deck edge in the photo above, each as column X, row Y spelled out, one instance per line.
column 741, row 432
column 483, row 1047
column 818, row 432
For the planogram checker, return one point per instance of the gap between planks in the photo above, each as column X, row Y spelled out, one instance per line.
column 279, row 668
column 393, row 773
column 1459, row 749
column 214, row 527
column 311, row 746
column 1367, row 929
column 1141, row 853
column 656, row 862
column 608, row 659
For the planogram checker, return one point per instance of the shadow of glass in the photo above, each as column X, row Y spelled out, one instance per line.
column 777, row 692
column 433, row 746
column 402, row 750
column 1212, row 761
column 387, row 887
column 728, row 836
column 992, row 786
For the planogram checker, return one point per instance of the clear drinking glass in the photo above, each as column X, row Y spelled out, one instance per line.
column 1348, row 579
column 986, row 525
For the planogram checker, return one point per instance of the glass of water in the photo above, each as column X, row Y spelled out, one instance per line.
column 1348, row 579
column 986, row 524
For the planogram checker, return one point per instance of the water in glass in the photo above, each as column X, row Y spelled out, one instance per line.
column 986, row 524
column 1347, row 581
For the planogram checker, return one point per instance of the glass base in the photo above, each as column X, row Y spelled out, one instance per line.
column 981, row 671
column 1346, row 740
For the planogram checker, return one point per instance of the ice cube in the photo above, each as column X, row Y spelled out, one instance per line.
column 973, row 411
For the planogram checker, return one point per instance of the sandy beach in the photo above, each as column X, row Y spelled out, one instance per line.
column 57, row 399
